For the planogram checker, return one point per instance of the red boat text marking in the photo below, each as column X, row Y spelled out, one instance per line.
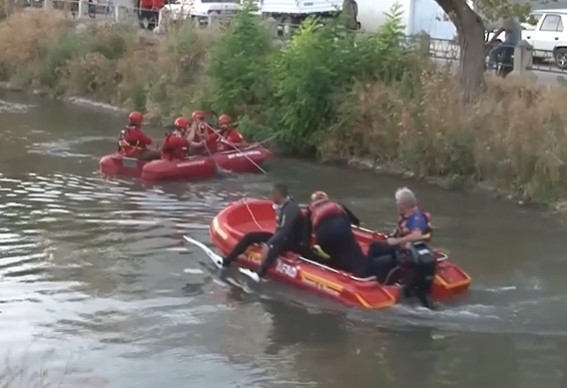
column 244, row 154
column 286, row 269
column 191, row 163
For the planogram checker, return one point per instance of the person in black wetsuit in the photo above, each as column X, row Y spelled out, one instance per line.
column 331, row 222
column 288, row 235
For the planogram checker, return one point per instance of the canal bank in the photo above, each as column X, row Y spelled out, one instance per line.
column 511, row 139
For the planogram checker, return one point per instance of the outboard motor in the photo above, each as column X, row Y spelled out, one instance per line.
column 420, row 273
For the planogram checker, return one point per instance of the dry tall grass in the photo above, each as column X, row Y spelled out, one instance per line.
column 514, row 137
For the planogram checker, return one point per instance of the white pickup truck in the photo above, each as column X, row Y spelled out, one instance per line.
column 546, row 31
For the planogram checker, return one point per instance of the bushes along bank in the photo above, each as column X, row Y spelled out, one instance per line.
column 327, row 92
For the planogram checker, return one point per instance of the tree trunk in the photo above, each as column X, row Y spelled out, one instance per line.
column 470, row 30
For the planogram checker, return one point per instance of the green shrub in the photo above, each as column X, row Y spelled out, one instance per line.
column 239, row 65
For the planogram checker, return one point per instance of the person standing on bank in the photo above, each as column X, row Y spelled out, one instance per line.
column 513, row 28
column 287, row 237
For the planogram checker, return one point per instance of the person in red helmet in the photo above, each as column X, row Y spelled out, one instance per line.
column 176, row 144
column 331, row 222
column 134, row 142
column 227, row 137
column 199, row 133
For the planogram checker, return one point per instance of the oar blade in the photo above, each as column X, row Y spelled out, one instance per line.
column 216, row 259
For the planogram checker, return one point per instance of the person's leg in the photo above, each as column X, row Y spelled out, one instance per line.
column 247, row 240
column 493, row 56
column 273, row 253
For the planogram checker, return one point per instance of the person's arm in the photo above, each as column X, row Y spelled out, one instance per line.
column 354, row 220
column 495, row 36
column 290, row 213
column 143, row 138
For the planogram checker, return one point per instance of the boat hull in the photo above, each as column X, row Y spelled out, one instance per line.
column 247, row 160
column 246, row 216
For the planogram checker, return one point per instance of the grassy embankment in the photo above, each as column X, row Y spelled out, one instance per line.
column 320, row 93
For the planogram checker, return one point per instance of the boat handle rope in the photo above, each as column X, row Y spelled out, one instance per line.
column 245, row 200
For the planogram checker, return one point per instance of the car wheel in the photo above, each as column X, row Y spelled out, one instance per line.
column 560, row 56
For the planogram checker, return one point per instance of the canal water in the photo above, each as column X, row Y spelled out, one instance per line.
column 98, row 289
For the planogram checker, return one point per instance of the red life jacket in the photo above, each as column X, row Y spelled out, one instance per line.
column 322, row 209
column 402, row 229
column 127, row 149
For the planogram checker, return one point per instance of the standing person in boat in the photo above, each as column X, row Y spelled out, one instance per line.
column 288, row 235
column 331, row 222
column 413, row 227
column 176, row 145
column 227, row 137
column 133, row 142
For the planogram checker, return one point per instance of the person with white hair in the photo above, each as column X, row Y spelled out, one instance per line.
column 413, row 225
column 331, row 222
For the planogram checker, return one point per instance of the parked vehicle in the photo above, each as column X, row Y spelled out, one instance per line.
column 545, row 30
column 418, row 17
column 291, row 13
column 199, row 10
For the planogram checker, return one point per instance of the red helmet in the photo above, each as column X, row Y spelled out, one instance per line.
column 198, row 116
column 135, row 118
column 317, row 195
column 225, row 120
column 181, row 122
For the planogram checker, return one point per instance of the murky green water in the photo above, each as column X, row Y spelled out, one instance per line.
column 98, row 289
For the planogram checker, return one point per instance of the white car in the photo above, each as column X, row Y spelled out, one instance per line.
column 199, row 10
column 546, row 32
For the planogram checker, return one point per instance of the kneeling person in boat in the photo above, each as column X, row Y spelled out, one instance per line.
column 287, row 237
column 175, row 144
column 331, row 222
column 134, row 142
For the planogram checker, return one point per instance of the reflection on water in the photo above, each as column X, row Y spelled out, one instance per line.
column 99, row 289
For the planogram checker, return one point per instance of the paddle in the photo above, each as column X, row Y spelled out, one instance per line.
column 217, row 260
column 238, row 150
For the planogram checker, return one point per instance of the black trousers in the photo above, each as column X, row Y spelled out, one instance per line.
column 255, row 238
column 335, row 236
column 381, row 260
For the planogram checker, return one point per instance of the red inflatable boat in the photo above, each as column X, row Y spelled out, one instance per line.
column 248, row 159
column 246, row 216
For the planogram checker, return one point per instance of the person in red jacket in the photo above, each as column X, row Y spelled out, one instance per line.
column 227, row 137
column 199, row 134
column 175, row 144
column 134, row 142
